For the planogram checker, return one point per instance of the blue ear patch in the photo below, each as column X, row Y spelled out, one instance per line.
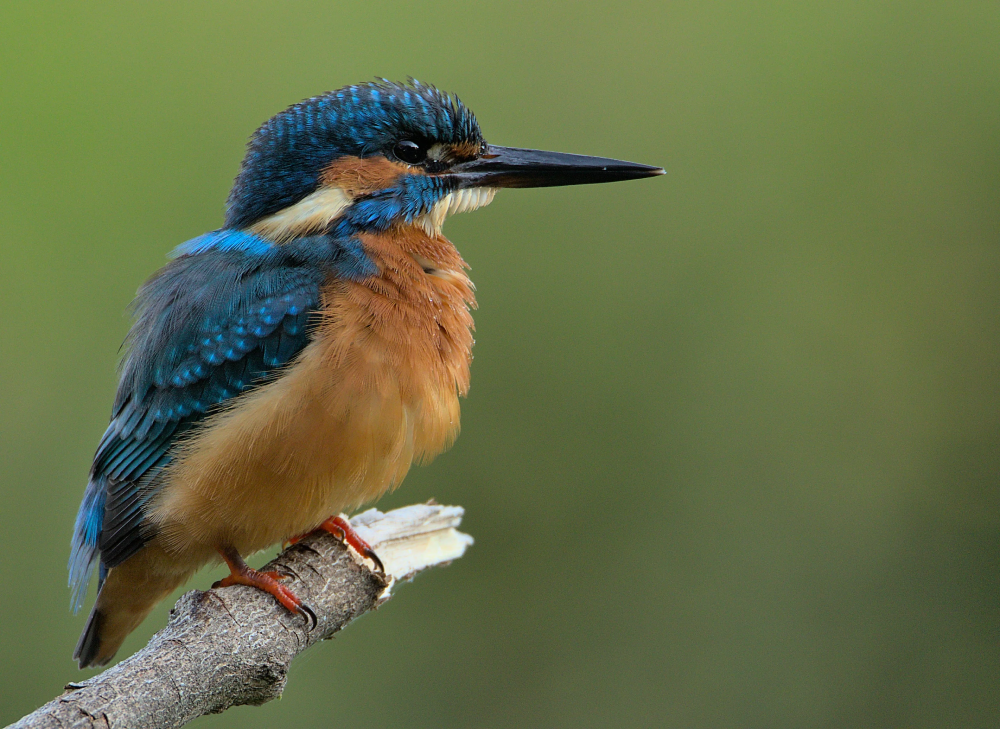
column 410, row 197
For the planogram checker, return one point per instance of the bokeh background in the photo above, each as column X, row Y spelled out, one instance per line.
column 732, row 451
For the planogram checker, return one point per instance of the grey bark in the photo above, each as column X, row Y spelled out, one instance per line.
column 233, row 646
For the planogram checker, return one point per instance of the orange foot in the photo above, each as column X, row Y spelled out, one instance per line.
column 240, row 573
column 339, row 527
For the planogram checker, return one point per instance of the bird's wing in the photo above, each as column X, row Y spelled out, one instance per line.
column 208, row 327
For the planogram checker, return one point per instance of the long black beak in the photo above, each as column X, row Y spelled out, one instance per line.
column 513, row 167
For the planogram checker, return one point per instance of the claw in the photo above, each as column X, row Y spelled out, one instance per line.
column 242, row 574
column 339, row 527
column 309, row 615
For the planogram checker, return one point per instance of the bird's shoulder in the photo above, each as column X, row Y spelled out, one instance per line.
column 208, row 325
column 220, row 319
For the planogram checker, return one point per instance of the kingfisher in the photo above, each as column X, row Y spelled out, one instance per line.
column 293, row 364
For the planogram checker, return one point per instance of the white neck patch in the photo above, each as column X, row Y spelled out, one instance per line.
column 309, row 215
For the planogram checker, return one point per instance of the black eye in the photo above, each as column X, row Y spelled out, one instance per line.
column 406, row 150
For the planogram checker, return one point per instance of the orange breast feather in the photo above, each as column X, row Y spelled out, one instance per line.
column 376, row 390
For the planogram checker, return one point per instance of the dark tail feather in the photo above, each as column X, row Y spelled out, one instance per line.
column 129, row 592
column 90, row 641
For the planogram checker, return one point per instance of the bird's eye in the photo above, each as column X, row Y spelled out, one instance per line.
column 408, row 151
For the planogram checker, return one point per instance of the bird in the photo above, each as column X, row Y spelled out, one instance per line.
column 292, row 365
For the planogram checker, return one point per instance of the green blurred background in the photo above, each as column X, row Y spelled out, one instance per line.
column 732, row 451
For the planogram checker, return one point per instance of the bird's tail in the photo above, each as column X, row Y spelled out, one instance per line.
column 130, row 591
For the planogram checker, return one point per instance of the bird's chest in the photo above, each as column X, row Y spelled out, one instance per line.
column 394, row 353
column 376, row 389
column 391, row 358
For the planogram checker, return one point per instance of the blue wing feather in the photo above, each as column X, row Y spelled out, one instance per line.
column 86, row 532
column 212, row 324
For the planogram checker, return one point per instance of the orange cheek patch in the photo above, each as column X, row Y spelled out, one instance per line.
column 357, row 176
column 465, row 150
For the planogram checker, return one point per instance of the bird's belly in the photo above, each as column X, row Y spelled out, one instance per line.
column 341, row 426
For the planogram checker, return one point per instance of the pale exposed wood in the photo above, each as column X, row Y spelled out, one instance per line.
column 231, row 647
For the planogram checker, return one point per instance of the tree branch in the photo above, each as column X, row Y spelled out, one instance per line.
column 233, row 646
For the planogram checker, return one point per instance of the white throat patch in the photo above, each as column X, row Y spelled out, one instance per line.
column 460, row 201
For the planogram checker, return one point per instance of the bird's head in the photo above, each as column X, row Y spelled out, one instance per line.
column 376, row 155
